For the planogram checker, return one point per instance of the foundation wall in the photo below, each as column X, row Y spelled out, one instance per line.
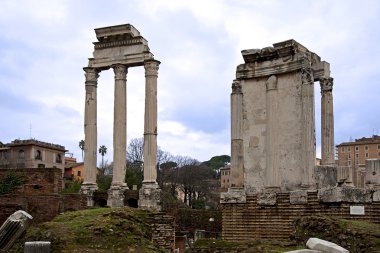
column 251, row 220
column 42, row 207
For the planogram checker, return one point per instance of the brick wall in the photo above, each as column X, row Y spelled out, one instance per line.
column 37, row 180
column 42, row 207
column 250, row 220
column 162, row 227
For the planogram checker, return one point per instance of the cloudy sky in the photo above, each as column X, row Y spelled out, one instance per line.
column 45, row 44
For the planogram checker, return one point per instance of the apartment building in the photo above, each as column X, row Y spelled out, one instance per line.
column 355, row 153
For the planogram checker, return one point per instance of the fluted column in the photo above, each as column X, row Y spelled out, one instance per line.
column 90, row 126
column 237, row 151
column 120, row 125
column 150, row 121
column 308, row 119
column 327, row 121
column 271, row 171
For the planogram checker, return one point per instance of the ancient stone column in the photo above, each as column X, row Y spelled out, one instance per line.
column 237, row 152
column 116, row 191
column 150, row 121
column 149, row 194
column 37, row 247
column 120, row 125
column 90, row 131
column 308, row 123
column 13, row 228
column 271, row 171
column 327, row 121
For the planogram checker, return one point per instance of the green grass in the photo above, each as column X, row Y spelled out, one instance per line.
column 95, row 230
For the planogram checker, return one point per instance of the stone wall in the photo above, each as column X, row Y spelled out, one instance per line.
column 37, row 180
column 162, row 227
column 273, row 216
column 42, row 207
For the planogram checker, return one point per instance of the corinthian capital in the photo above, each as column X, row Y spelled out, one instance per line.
column 151, row 67
column 120, row 71
column 91, row 75
column 236, row 86
column 326, row 84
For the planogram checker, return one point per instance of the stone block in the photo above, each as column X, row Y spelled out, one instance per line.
column 325, row 246
column 267, row 199
column 345, row 194
column 325, row 176
column 298, row 197
column 376, row 196
column 150, row 197
column 37, row 247
column 304, row 251
column 233, row 195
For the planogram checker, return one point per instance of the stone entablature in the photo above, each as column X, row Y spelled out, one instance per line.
column 121, row 44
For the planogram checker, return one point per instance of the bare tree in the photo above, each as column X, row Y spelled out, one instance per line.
column 135, row 150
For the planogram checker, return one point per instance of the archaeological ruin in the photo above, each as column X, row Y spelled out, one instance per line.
column 274, row 178
column 121, row 47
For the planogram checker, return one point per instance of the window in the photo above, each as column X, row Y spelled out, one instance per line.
column 342, row 149
column 21, row 154
column 366, row 147
column 357, row 162
column 378, row 146
column 78, row 174
column 356, row 148
column 348, row 149
column 58, row 158
column 349, row 156
column 366, row 155
column 349, row 163
column 38, row 155
column 357, row 155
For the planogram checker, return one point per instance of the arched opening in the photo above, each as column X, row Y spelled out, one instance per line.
column 132, row 203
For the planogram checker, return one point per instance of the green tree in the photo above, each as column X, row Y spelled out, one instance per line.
column 102, row 152
column 81, row 146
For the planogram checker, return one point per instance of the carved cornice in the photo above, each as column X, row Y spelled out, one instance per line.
column 326, row 84
column 120, row 71
column 236, row 86
column 91, row 75
column 151, row 67
column 118, row 43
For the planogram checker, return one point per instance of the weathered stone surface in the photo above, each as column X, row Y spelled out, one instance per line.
column 325, row 246
column 234, row 195
column 372, row 175
column 298, row 197
column 150, row 197
column 325, row 176
column 304, row 251
column 278, row 116
column 116, row 195
column 37, row 247
column 345, row 194
column 13, row 228
column 267, row 199
column 376, row 196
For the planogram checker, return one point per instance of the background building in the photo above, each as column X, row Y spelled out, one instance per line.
column 355, row 153
column 31, row 154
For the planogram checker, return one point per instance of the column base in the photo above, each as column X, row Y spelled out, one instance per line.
column 116, row 195
column 88, row 189
column 272, row 189
column 233, row 195
column 150, row 197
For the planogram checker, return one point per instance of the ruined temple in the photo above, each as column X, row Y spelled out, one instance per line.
column 273, row 176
